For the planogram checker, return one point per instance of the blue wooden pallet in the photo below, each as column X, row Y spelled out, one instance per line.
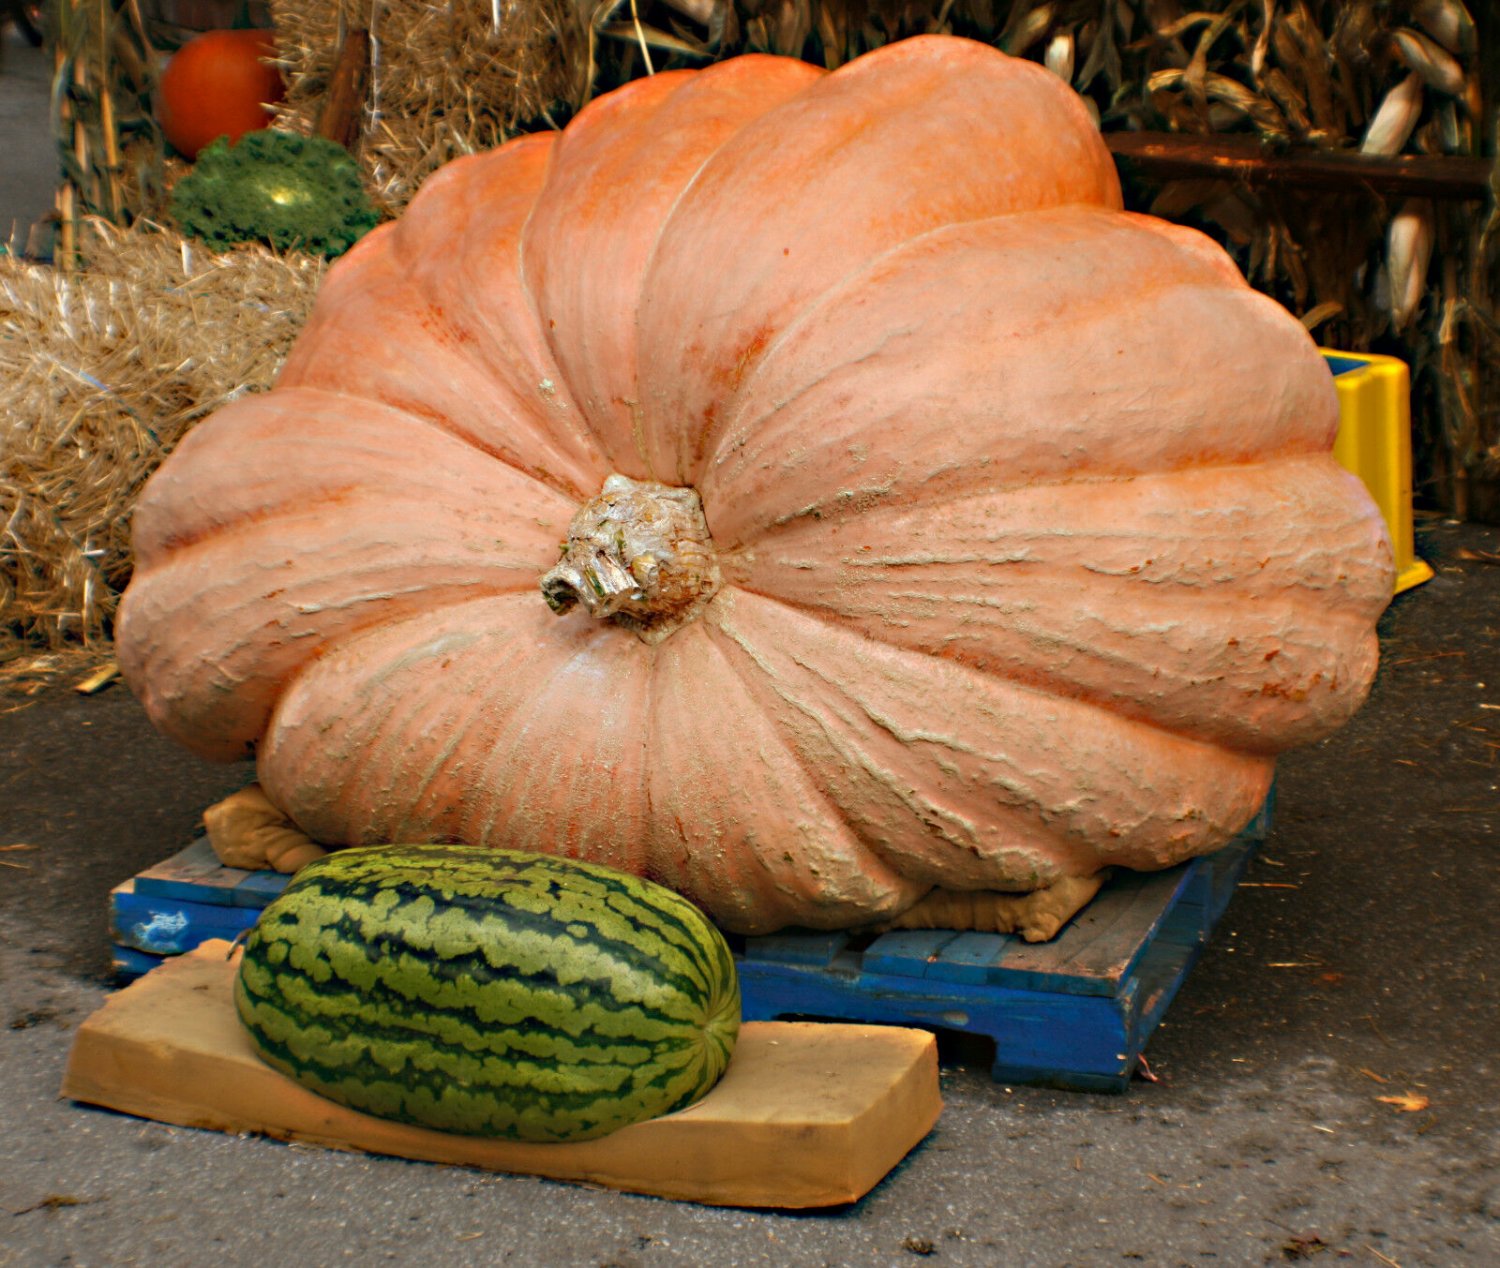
column 185, row 900
column 1074, row 1012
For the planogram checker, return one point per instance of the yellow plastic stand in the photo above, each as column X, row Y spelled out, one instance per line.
column 1374, row 442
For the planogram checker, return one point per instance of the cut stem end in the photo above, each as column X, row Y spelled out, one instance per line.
column 638, row 554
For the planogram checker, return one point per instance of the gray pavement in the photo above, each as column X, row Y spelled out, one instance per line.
column 28, row 158
column 1263, row 1141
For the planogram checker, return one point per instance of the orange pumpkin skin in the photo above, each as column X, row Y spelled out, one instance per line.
column 217, row 84
column 1033, row 554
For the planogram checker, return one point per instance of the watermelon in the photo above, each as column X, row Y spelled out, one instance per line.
column 489, row 992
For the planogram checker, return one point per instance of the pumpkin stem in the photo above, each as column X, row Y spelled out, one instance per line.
column 638, row 554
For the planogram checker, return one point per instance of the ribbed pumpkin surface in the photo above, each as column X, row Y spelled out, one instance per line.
column 489, row 992
column 1033, row 554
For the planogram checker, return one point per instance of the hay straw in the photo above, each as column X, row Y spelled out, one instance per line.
column 101, row 374
column 446, row 80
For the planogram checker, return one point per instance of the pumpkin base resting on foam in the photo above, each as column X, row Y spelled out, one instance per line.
column 246, row 830
column 1038, row 916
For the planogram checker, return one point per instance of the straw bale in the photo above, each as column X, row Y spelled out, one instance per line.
column 447, row 78
column 102, row 372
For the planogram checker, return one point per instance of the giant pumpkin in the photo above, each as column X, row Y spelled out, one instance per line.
column 806, row 490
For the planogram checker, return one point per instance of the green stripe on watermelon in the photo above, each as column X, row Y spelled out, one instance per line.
column 489, row 992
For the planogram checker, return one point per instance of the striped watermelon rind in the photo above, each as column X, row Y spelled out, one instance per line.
column 489, row 992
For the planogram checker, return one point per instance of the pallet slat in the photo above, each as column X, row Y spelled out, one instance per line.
column 196, row 875
column 907, row 952
column 128, row 963
column 1100, row 946
column 1075, row 1012
column 799, row 948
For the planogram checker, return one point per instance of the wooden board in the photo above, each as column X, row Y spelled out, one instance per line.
column 1075, row 1012
column 806, row 1115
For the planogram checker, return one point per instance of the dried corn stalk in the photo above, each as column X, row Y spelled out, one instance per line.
column 108, row 143
column 1396, row 76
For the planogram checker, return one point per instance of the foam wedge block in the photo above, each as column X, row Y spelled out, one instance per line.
column 807, row 1114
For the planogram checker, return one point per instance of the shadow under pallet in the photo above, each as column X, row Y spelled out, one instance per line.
column 1075, row 1012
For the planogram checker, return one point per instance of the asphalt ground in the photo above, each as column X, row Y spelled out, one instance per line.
column 28, row 157
column 1357, row 962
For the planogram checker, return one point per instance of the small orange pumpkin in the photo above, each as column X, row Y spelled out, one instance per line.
column 217, row 84
column 926, row 520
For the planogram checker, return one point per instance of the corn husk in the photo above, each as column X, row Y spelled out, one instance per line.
column 1438, row 68
column 1408, row 257
column 1396, row 119
column 1061, row 50
column 1448, row 22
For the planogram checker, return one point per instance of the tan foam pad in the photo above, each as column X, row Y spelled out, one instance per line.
column 806, row 1115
